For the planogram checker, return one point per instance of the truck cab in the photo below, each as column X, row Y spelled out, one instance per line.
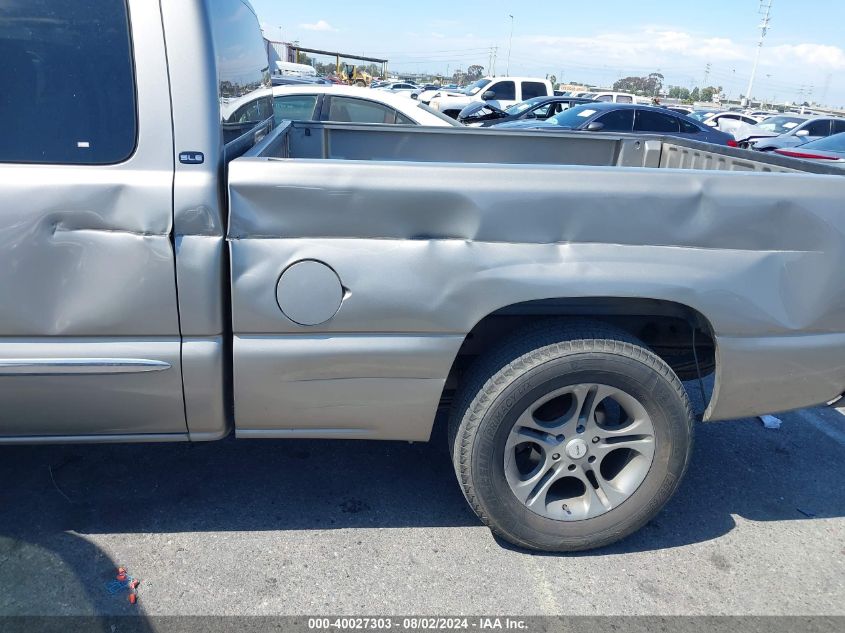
column 615, row 97
column 500, row 92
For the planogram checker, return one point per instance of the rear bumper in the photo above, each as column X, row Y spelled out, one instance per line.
column 772, row 374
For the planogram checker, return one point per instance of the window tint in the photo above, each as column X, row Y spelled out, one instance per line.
column 401, row 119
column 818, row 128
column 649, row 121
column 505, row 90
column 350, row 110
column 67, row 81
column 838, row 127
column 559, row 107
column 688, row 127
column 294, row 108
column 531, row 89
column 543, row 112
column 605, row 98
column 242, row 68
column 617, row 121
column 624, row 99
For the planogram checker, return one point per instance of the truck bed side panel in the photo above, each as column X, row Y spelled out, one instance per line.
column 426, row 248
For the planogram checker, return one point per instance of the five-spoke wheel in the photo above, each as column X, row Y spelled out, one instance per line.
column 570, row 436
column 579, row 451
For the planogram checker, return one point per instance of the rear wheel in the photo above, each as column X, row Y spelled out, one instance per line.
column 570, row 437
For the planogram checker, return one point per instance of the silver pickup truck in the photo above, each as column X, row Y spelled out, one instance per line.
column 174, row 267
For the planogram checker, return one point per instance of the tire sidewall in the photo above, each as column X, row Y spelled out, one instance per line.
column 657, row 395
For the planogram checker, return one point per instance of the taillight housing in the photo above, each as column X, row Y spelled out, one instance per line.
column 732, row 143
column 807, row 155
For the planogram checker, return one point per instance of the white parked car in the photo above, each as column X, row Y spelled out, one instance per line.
column 349, row 104
column 729, row 121
column 500, row 92
column 399, row 87
column 614, row 97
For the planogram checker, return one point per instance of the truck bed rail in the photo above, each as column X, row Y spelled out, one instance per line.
column 342, row 141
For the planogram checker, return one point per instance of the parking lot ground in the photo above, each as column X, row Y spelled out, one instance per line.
column 317, row 527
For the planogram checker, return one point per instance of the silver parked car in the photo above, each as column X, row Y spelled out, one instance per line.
column 788, row 130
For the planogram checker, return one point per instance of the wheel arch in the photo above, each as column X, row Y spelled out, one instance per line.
column 666, row 327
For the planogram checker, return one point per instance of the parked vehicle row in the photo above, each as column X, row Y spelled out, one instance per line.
column 627, row 118
column 528, row 103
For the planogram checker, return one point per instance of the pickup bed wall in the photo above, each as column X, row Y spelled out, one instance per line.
column 426, row 250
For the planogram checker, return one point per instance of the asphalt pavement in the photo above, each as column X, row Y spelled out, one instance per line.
column 366, row 528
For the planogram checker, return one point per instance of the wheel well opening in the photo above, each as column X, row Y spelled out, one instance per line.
column 680, row 335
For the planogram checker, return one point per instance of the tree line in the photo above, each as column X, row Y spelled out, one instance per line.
column 652, row 86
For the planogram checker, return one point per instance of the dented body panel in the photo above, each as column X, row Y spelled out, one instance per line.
column 432, row 248
column 142, row 301
column 87, row 274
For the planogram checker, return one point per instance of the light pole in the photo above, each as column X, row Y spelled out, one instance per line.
column 510, row 44
column 765, row 10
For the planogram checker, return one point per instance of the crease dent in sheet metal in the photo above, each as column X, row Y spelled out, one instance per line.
column 434, row 248
column 75, row 252
column 775, row 232
column 517, row 204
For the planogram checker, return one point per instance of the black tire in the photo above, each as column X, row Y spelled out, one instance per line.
column 537, row 360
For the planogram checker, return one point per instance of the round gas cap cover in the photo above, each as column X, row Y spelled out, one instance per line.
column 309, row 292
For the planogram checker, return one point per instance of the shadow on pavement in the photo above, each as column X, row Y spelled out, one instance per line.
column 738, row 468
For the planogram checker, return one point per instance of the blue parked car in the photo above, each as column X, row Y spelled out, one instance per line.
column 620, row 117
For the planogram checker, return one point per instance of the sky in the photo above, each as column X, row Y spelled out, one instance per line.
column 803, row 57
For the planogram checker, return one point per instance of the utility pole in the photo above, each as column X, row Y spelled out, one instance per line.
column 491, row 66
column 707, row 74
column 765, row 11
column 510, row 45
column 826, row 88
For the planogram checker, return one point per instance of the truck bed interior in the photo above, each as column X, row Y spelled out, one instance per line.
column 339, row 141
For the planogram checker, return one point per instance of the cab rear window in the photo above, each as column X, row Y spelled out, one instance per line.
column 68, row 82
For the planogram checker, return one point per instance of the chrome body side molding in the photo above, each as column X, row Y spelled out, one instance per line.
column 75, row 366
